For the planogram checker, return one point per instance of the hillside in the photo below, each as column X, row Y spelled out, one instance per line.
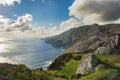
column 21, row 72
column 108, row 67
column 64, row 68
column 87, row 38
column 92, row 53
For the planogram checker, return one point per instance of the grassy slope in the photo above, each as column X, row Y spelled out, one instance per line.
column 69, row 69
column 101, row 74
column 113, row 59
column 107, row 70
column 21, row 72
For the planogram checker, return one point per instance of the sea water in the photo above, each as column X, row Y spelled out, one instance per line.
column 33, row 52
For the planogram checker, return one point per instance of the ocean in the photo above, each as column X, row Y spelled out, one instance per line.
column 33, row 52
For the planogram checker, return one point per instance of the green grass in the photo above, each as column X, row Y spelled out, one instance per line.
column 113, row 59
column 69, row 68
column 102, row 73
column 41, row 75
column 108, row 68
column 21, row 72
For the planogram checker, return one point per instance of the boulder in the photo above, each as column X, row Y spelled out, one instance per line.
column 88, row 64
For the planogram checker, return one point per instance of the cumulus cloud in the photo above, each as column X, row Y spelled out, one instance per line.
column 70, row 23
column 94, row 11
column 22, row 22
column 4, row 21
column 64, row 26
column 9, row 2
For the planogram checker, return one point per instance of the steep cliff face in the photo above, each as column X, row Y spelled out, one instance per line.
column 95, row 43
column 88, row 38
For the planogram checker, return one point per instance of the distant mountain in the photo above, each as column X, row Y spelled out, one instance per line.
column 104, row 38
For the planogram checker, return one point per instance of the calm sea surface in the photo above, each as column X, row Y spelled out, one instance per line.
column 32, row 52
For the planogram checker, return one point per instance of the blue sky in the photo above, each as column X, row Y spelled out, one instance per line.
column 44, row 13
column 17, row 15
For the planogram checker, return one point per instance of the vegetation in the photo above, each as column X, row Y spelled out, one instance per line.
column 21, row 72
column 103, row 39
column 113, row 59
column 108, row 69
column 102, row 73
column 68, row 70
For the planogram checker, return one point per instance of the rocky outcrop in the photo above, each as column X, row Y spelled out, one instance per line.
column 59, row 61
column 88, row 64
column 110, row 44
column 88, row 38
column 103, row 50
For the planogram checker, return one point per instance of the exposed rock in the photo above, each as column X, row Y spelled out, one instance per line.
column 87, row 64
column 64, row 57
column 95, row 42
column 59, row 61
column 103, row 50
column 88, row 38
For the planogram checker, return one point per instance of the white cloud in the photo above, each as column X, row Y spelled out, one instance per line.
column 55, row 30
column 22, row 23
column 15, row 28
column 9, row 2
column 4, row 22
column 70, row 23
column 95, row 11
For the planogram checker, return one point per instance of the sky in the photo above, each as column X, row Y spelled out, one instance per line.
column 43, row 18
column 44, row 12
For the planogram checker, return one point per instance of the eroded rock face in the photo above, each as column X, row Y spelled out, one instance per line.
column 103, row 50
column 88, row 64
column 88, row 38
column 108, row 44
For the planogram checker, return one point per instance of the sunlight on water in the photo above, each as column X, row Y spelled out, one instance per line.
column 3, row 60
column 32, row 52
column 3, row 46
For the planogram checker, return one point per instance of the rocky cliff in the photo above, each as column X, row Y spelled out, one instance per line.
column 88, row 38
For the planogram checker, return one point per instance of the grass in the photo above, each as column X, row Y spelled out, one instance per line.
column 102, row 73
column 108, row 68
column 21, row 72
column 113, row 59
column 69, row 69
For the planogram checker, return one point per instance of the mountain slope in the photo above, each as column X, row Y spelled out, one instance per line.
column 88, row 38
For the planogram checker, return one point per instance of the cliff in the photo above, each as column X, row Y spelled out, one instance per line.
column 92, row 53
column 88, row 38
